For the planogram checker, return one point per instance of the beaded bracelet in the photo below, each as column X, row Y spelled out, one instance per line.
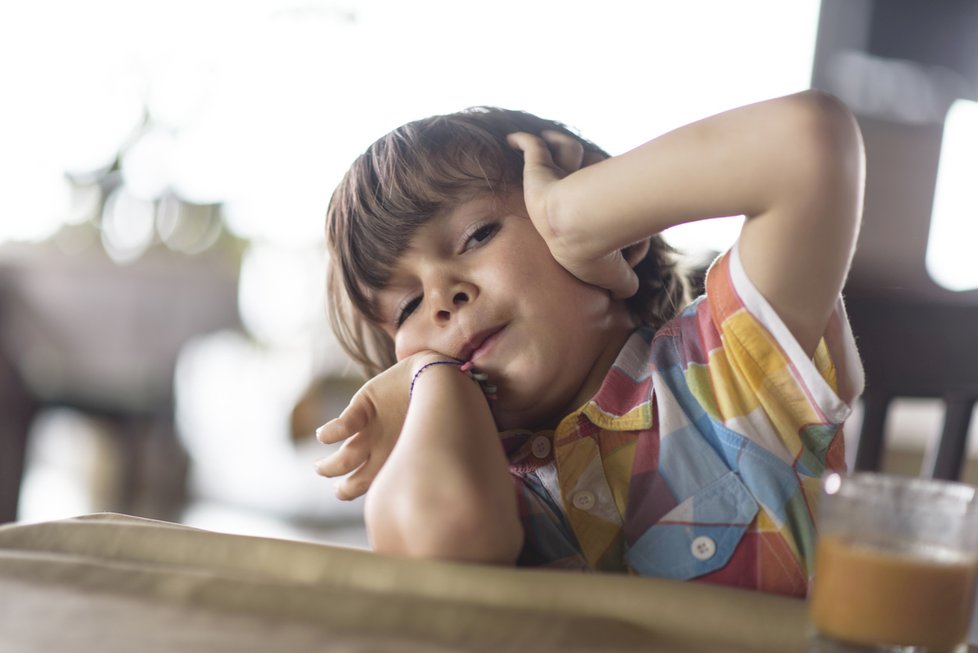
column 479, row 377
column 482, row 379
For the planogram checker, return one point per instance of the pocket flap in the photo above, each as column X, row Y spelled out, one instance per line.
column 699, row 535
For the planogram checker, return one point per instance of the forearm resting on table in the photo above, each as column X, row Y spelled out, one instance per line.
column 445, row 492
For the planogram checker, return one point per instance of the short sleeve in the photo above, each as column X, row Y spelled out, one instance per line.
column 739, row 400
column 834, row 376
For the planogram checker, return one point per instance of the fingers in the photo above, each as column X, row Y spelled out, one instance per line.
column 611, row 272
column 351, row 455
column 631, row 256
column 354, row 418
column 635, row 254
column 359, row 453
column 621, row 278
column 535, row 150
column 566, row 151
column 627, row 286
column 357, row 483
column 354, row 456
column 552, row 149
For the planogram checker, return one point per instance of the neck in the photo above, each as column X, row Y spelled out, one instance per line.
column 547, row 414
column 617, row 337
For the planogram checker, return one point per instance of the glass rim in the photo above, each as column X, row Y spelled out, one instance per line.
column 856, row 485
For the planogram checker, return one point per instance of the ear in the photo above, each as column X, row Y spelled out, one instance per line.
column 636, row 253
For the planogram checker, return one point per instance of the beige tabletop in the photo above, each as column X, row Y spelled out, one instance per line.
column 111, row 583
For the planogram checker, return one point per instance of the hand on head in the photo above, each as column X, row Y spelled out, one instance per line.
column 548, row 160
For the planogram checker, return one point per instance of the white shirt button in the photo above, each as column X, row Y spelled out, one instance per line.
column 541, row 446
column 583, row 500
column 703, row 548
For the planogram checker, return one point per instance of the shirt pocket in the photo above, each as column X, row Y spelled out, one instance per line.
column 699, row 535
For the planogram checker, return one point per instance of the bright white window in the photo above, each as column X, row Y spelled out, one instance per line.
column 264, row 104
column 954, row 219
column 260, row 106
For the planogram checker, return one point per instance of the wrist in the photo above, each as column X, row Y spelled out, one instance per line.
column 425, row 365
column 423, row 359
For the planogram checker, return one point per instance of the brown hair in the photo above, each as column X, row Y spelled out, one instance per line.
column 418, row 171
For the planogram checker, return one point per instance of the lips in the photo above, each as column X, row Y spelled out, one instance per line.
column 479, row 344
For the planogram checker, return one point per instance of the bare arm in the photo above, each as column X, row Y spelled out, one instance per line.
column 439, row 484
column 793, row 166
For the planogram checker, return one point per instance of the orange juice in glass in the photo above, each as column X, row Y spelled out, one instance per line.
column 895, row 565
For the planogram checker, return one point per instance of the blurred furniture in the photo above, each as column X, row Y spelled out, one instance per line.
column 916, row 338
column 920, row 350
column 79, row 331
column 17, row 410
column 115, row 584
column 899, row 65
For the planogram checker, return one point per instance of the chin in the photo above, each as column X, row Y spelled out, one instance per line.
column 520, row 415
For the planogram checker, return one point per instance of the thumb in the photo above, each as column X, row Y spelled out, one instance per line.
column 536, row 153
column 622, row 281
column 611, row 272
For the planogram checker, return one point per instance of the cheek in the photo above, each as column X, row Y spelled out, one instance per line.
column 411, row 338
column 404, row 345
column 587, row 304
column 569, row 295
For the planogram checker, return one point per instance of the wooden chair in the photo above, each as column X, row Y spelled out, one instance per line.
column 917, row 349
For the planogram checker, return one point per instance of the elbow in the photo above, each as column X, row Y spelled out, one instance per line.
column 447, row 534
column 826, row 113
column 466, row 540
column 830, row 137
column 826, row 164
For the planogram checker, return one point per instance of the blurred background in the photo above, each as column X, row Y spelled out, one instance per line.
column 165, row 168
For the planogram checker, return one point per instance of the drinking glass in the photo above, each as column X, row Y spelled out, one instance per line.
column 895, row 565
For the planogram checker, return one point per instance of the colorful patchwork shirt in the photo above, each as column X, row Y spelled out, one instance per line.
column 700, row 455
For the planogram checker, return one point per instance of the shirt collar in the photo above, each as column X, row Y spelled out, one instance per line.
column 622, row 403
column 624, row 400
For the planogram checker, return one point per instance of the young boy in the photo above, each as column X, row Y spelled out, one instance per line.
column 640, row 436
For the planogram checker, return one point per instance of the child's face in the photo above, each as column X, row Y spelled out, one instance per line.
column 478, row 283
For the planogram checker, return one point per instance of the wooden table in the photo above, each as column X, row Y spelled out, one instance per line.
column 116, row 584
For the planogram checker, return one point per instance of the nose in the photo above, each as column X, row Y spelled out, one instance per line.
column 445, row 303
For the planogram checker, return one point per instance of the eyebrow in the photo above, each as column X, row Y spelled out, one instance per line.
column 479, row 207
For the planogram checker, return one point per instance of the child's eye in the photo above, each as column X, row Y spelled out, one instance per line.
column 405, row 311
column 481, row 235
